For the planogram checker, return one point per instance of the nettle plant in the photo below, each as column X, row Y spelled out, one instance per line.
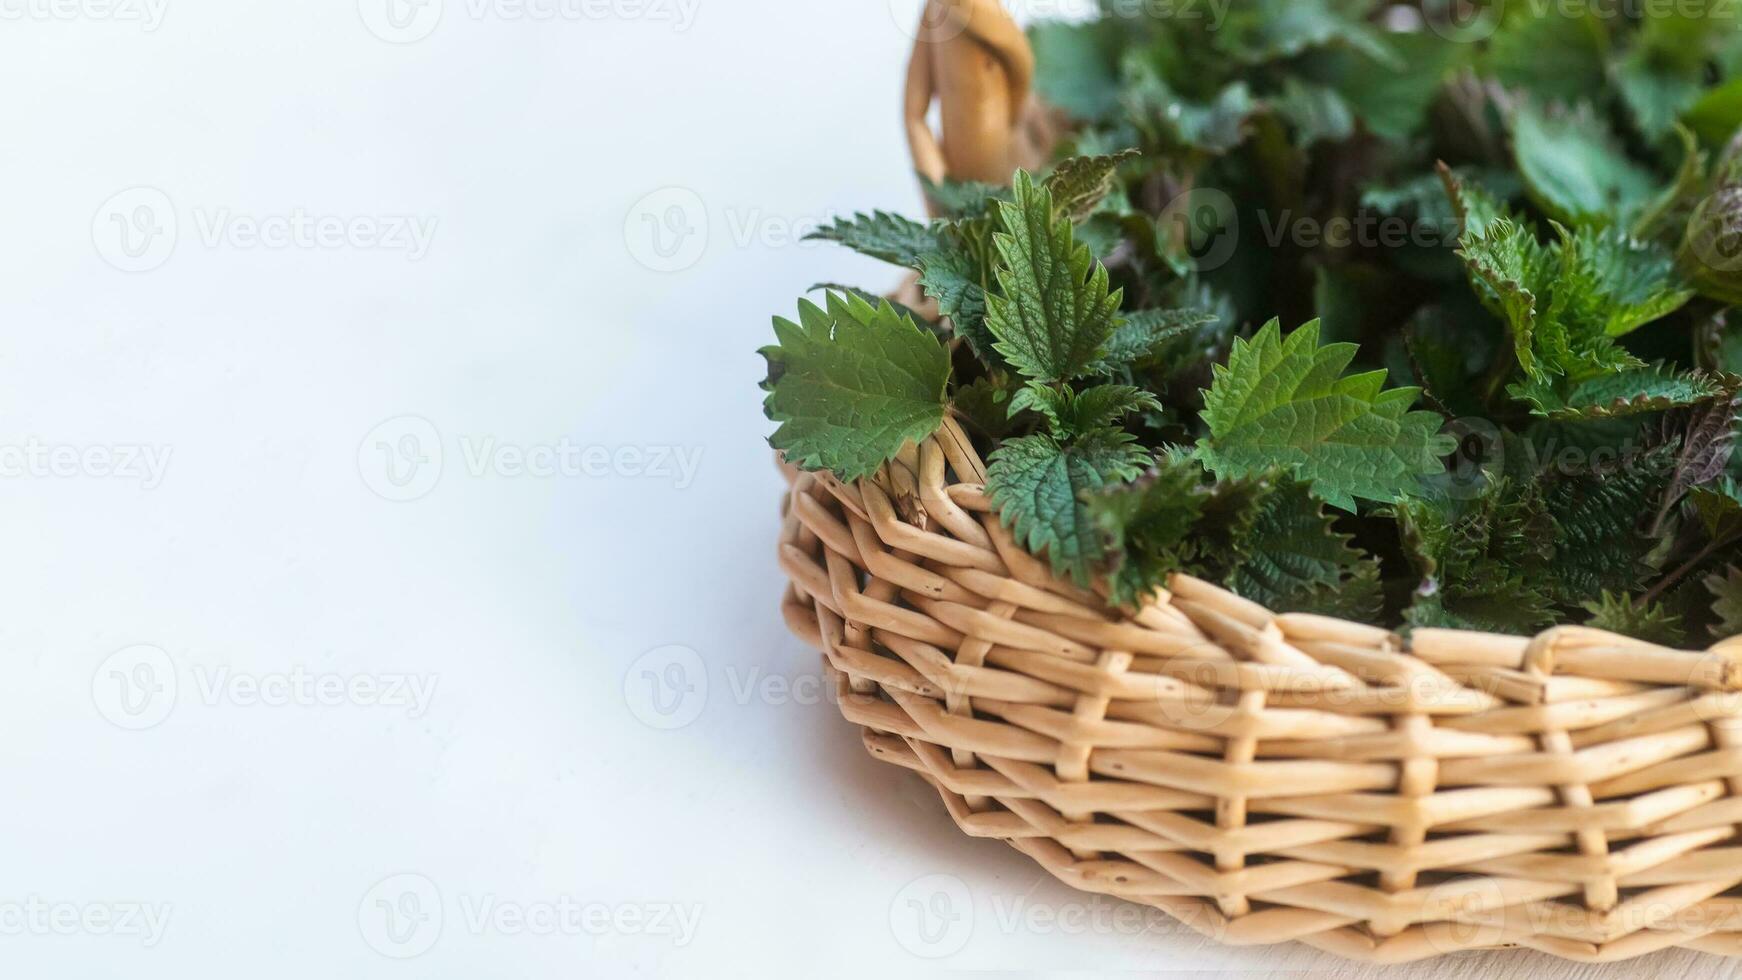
column 1507, row 253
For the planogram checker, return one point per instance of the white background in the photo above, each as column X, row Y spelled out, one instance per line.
column 157, row 748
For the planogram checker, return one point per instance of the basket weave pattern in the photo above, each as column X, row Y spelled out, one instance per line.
column 1269, row 777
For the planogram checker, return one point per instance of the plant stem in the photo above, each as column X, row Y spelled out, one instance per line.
column 1672, row 578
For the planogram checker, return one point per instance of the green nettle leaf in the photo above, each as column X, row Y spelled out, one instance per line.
column 889, row 237
column 964, row 199
column 1726, row 592
column 952, row 279
column 1479, row 556
column 1477, row 200
column 985, row 405
column 1651, row 621
column 1071, row 412
column 1636, row 281
column 1076, row 66
column 1630, row 392
column 1148, row 524
column 1656, row 91
column 1550, row 55
column 872, row 298
column 1574, row 169
column 1506, row 267
column 1079, row 184
column 1168, row 119
column 1315, row 112
column 1039, row 486
column 1450, row 345
column 1144, row 333
column 1599, row 544
column 1426, row 198
column 1707, row 434
column 1341, row 297
column 851, row 385
column 1667, row 214
column 1719, row 509
column 1293, row 559
column 1216, row 127
column 1717, row 114
column 1282, row 403
column 1389, row 97
column 1565, row 303
column 1057, row 311
column 1270, row 30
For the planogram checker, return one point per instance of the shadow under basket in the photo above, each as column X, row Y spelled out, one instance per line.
column 1266, row 777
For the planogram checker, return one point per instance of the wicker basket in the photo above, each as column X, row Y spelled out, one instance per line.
column 1272, row 777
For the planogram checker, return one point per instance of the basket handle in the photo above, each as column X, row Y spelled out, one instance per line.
column 970, row 56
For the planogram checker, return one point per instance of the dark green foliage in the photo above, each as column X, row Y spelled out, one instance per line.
column 1481, row 557
column 1293, row 559
column 1504, row 250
